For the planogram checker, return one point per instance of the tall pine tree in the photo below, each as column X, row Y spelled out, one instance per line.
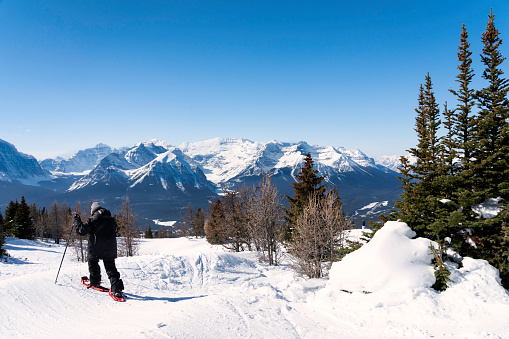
column 491, row 153
column 491, row 164
column 148, row 233
column 420, row 204
column 199, row 223
column 23, row 223
column 10, row 213
column 215, row 227
column 307, row 185
column 463, row 124
column 463, row 120
column 2, row 236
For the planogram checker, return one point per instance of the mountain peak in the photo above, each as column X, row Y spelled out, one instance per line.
column 19, row 167
column 81, row 161
column 101, row 145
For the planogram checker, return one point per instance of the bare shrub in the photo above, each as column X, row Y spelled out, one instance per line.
column 319, row 234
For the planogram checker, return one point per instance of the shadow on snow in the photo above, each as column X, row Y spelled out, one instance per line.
column 131, row 296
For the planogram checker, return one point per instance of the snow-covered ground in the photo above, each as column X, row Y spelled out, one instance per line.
column 186, row 288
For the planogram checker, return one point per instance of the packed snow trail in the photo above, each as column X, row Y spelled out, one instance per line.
column 186, row 288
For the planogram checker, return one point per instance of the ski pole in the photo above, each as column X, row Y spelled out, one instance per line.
column 67, row 244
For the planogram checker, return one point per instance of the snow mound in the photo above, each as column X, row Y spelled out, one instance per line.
column 391, row 260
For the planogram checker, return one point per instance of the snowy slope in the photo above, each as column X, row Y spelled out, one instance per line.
column 393, row 162
column 373, row 209
column 186, row 288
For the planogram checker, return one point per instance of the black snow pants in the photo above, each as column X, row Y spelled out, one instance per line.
column 111, row 270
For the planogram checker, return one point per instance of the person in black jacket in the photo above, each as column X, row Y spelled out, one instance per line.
column 102, row 244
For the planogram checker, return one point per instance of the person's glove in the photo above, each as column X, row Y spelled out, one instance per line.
column 76, row 221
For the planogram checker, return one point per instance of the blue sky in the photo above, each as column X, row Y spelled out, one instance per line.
column 77, row 73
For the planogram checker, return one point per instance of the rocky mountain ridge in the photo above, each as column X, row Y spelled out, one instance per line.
column 161, row 179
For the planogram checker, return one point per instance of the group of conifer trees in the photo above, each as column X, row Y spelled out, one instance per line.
column 18, row 221
column 25, row 221
column 466, row 167
column 2, row 236
column 311, row 228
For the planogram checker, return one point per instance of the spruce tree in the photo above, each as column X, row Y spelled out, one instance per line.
column 491, row 153
column 2, row 236
column 199, row 223
column 307, row 185
column 235, row 204
column 460, row 125
column 23, row 223
column 148, row 233
column 463, row 120
column 448, row 168
column 10, row 213
column 491, row 164
column 215, row 227
column 503, row 249
column 422, row 189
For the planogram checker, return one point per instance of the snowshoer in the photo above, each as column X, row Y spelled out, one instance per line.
column 102, row 244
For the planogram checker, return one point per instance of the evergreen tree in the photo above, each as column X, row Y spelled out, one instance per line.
column 449, row 152
column 307, row 185
column 491, row 153
column 10, row 213
column 463, row 121
column 503, row 250
column 235, row 205
column 406, row 206
column 420, row 206
column 199, row 223
column 23, row 223
column 2, row 236
column 491, row 164
column 481, row 142
column 460, row 144
column 462, row 128
column 148, row 233
column 442, row 273
column 215, row 227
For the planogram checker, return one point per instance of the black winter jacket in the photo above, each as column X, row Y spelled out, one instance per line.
column 102, row 231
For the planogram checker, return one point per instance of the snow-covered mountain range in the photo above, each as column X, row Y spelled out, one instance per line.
column 159, row 177
column 19, row 167
column 152, row 163
column 224, row 160
column 80, row 162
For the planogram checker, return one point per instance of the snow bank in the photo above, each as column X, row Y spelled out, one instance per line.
column 392, row 260
column 187, row 288
column 397, row 270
